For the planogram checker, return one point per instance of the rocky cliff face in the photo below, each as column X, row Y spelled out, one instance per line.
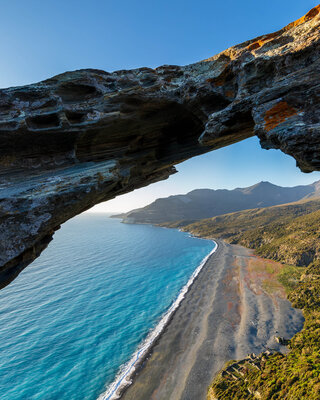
column 87, row 136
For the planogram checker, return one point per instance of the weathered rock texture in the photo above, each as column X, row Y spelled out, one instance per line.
column 87, row 136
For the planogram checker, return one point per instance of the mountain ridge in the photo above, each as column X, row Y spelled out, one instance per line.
column 206, row 203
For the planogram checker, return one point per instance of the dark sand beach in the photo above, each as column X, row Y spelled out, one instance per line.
column 232, row 309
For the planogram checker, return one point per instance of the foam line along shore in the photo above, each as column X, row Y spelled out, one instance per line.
column 226, row 315
column 125, row 376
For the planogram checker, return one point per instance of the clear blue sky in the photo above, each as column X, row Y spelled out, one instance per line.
column 40, row 39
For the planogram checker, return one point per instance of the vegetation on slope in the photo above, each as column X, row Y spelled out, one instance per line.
column 288, row 233
column 293, row 376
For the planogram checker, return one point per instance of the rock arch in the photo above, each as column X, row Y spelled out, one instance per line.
column 86, row 136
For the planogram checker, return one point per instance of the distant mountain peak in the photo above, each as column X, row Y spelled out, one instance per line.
column 207, row 203
column 264, row 184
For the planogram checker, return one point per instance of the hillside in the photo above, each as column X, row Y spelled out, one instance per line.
column 288, row 233
column 206, row 203
column 278, row 376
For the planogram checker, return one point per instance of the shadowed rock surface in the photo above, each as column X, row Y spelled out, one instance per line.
column 87, row 136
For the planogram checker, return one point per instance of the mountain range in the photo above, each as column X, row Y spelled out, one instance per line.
column 206, row 203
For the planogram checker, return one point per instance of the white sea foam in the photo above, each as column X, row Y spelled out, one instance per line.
column 124, row 376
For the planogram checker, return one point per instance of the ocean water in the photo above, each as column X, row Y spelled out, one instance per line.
column 83, row 308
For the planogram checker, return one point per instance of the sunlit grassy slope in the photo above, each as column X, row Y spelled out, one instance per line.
column 290, row 234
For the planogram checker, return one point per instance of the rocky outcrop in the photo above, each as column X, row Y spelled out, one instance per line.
column 87, row 136
column 237, row 371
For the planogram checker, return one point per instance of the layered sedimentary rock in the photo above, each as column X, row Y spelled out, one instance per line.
column 87, row 136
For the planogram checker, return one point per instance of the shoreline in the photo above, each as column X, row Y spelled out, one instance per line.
column 129, row 371
column 223, row 317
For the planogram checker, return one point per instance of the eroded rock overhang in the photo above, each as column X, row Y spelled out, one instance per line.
column 86, row 136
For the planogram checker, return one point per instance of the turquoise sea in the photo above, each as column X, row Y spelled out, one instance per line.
column 87, row 304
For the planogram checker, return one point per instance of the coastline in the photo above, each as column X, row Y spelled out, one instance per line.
column 224, row 316
column 129, row 370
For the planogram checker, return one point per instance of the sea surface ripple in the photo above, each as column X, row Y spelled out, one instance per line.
column 80, row 311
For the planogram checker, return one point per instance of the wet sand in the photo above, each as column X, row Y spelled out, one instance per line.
column 226, row 314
